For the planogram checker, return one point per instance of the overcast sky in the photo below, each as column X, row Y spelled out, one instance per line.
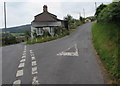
column 21, row 13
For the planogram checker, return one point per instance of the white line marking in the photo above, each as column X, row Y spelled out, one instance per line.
column 17, row 82
column 33, row 58
column 34, row 63
column 23, row 56
column 34, row 70
column 24, row 51
column 22, row 60
column 32, row 55
column 35, row 80
column 25, row 46
column 64, row 53
column 21, row 65
column 19, row 73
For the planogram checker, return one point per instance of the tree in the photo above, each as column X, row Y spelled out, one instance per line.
column 27, row 34
column 68, row 18
column 99, row 9
column 111, row 14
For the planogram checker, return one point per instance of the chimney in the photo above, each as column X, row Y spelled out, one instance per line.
column 45, row 8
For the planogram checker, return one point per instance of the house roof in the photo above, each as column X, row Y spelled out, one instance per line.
column 45, row 16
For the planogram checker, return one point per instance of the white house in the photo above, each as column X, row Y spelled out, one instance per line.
column 45, row 21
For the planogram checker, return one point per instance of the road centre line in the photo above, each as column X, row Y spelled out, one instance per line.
column 21, row 65
column 33, row 58
column 34, row 63
column 34, row 68
column 35, row 80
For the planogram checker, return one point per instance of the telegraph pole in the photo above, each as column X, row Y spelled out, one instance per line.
column 95, row 5
column 84, row 12
column 5, row 14
column 79, row 15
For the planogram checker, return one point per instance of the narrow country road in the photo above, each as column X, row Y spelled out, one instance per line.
column 69, row 60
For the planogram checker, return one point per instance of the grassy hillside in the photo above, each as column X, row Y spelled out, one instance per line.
column 18, row 29
column 105, row 40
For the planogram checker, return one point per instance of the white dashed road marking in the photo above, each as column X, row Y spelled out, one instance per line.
column 17, row 82
column 34, row 63
column 21, row 65
column 20, row 68
column 19, row 73
column 33, row 58
column 22, row 60
column 34, row 70
column 35, row 80
column 23, row 56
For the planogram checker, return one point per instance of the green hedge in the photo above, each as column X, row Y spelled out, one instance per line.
column 105, row 40
column 110, row 14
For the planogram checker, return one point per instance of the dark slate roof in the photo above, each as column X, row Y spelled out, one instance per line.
column 45, row 17
column 42, row 24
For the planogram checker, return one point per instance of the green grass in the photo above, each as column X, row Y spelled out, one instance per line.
column 105, row 40
column 45, row 39
column 18, row 34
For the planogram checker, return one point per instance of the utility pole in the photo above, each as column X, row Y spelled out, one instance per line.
column 84, row 12
column 5, row 14
column 79, row 16
column 95, row 5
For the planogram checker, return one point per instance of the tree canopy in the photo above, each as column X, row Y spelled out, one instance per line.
column 99, row 9
column 110, row 14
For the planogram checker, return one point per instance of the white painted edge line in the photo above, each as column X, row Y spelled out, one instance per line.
column 21, row 65
column 19, row 73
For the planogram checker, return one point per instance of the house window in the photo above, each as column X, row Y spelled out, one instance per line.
column 37, row 30
column 40, row 30
column 50, row 29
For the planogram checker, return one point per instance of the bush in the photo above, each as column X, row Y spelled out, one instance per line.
column 8, row 38
column 111, row 14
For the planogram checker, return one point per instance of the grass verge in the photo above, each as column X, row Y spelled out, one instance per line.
column 105, row 40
